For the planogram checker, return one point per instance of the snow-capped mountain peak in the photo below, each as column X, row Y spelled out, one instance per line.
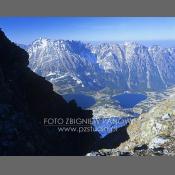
column 41, row 42
column 128, row 66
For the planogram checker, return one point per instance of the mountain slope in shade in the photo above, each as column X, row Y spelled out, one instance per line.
column 25, row 99
column 128, row 66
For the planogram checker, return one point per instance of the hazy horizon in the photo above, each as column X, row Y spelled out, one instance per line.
column 24, row 30
column 162, row 43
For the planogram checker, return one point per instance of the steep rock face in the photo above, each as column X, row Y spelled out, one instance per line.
column 164, row 60
column 25, row 99
column 131, row 66
column 128, row 66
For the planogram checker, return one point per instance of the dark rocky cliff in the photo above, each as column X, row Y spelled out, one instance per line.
column 25, row 99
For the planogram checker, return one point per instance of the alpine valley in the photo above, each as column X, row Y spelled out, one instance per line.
column 119, row 81
column 126, row 88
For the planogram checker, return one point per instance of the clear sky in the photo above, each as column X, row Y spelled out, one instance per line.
column 26, row 29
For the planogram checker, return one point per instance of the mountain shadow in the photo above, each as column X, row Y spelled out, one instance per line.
column 25, row 100
column 112, row 140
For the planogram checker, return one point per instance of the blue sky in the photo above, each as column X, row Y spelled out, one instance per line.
column 26, row 29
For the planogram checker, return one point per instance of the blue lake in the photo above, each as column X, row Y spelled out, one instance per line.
column 129, row 100
column 107, row 125
column 83, row 101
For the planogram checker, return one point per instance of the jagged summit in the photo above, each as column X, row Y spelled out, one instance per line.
column 41, row 42
column 131, row 43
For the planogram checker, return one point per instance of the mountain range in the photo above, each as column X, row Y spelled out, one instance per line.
column 27, row 98
column 76, row 66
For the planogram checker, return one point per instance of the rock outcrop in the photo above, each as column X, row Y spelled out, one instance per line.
column 154, row 129
column 25, row 99
column 153, row 133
